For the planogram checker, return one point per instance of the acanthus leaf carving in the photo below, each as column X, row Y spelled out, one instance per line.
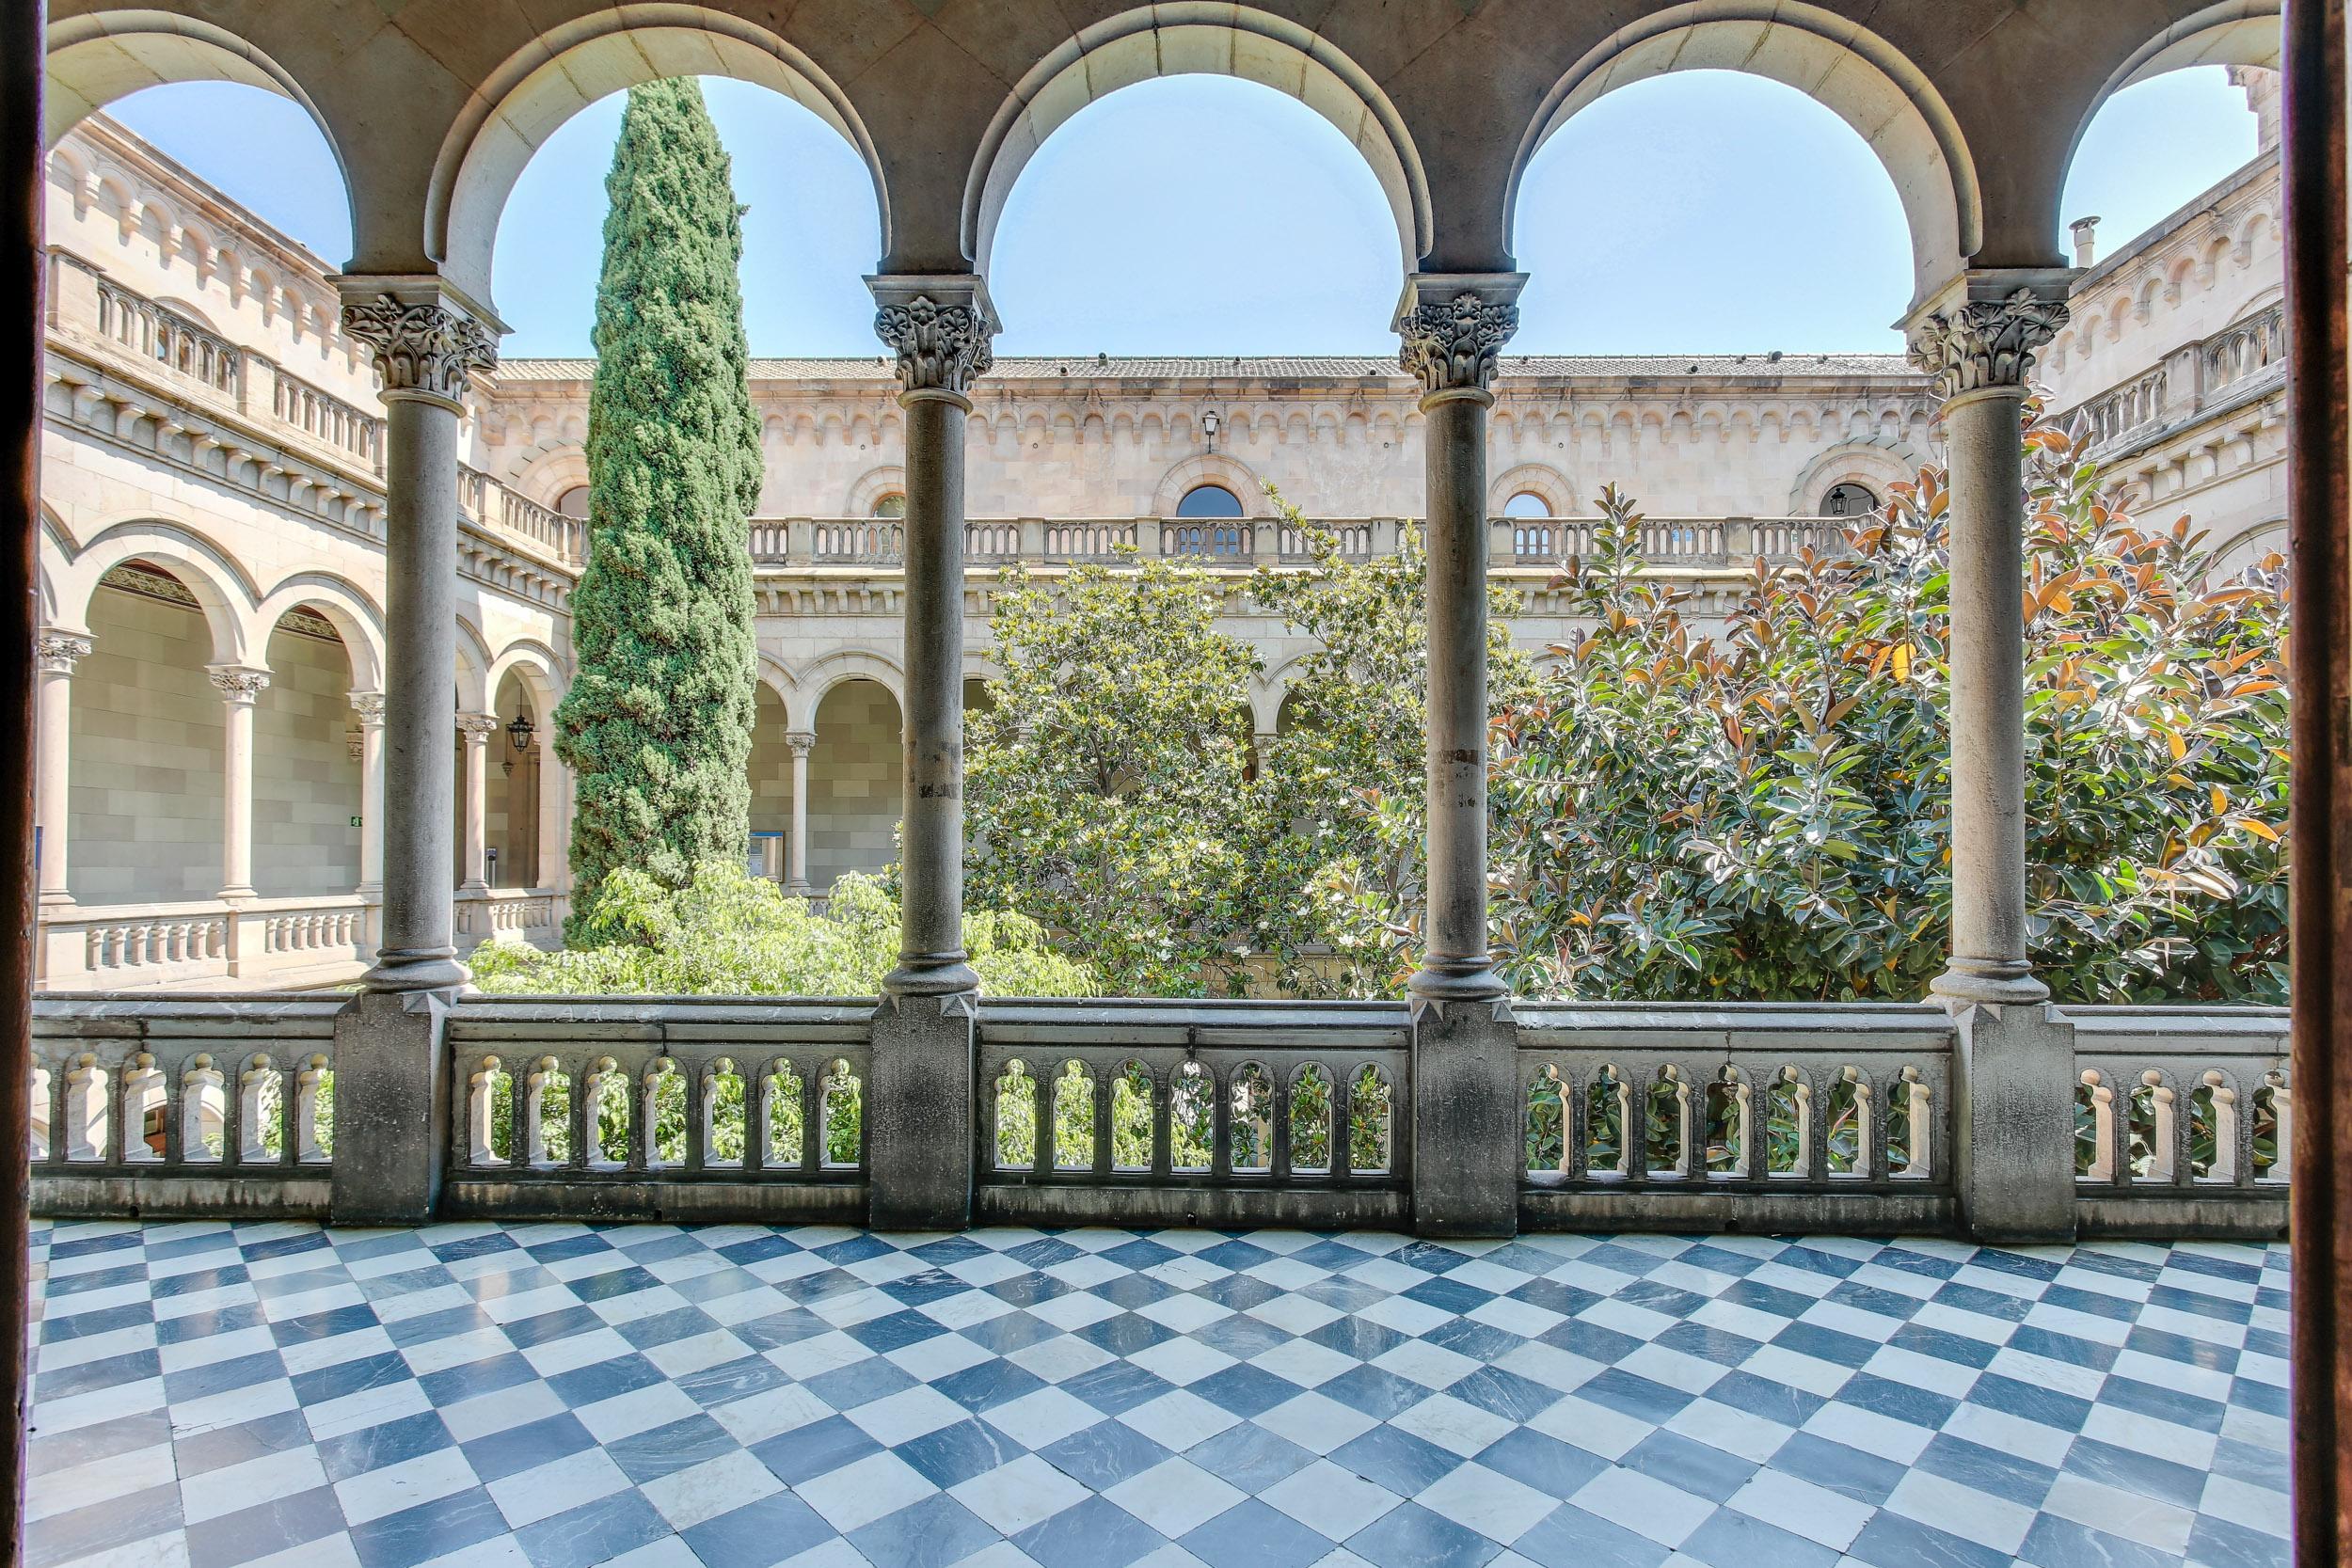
column 1451, row 345
column 420, row 346
column 1985, row 343
column 939, row 347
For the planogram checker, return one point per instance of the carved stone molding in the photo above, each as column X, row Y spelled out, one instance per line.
column 368, row 706
column 477, row 728
column 800, row 741
column 1984, row 345
column 939, row 347
column 420, row 346
column 238, row 685
column 1453, row 325
column 57, row 651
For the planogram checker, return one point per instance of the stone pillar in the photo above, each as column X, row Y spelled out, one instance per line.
column 391, row 1075
column 552, row 846
column 919, row 1118
column 2013, row 1110
column 239, row 687
column 1467, row 1105
column 427, row 340
column 52, row 795
column 477, row 728
column 796, row 852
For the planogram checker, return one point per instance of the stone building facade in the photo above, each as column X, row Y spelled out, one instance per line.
column 213, row 550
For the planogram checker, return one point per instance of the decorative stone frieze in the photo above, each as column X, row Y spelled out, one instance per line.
column 57, row 651
column 939, row 347
column 420, row 346
column 238, row 685
column 1985, row 345
column 1451, row 345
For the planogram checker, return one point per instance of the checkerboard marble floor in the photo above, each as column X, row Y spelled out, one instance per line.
column 737, row 1397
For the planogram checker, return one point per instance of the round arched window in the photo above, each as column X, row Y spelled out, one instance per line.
column 574, row 501
column 1209, row 501
column 892, row 505
column 1849, row 501
column 1527, row 503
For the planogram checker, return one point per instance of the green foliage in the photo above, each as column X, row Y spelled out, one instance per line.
column 1765, row 815
column 1346, row 776
column 728, row 933
column 657, row 723
column 1107, row 787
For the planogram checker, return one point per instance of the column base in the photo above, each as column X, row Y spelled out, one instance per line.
column 417, row 969
column 920, row 1137
column 57, row 898
column 1996, row 982
column 1457, row 980
column 393, row 1109
column 231, row 895
column 2013, row 1080
column 940, row 976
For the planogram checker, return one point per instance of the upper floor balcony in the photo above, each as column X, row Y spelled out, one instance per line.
column 2224, row 369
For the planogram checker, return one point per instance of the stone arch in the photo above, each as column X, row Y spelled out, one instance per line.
column 872, row 486
column 536, row 665
column 472, row 673
column 1875, row 464
column 1860, row 77
column 1535, row 479
column 821, row 674
column 1144, row 42
column 348, row 609
column 538, row 88
column 1217, row 469
column 546, row 476
column 220, row 584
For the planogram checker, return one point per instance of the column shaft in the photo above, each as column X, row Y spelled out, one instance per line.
column 371, row 709
column 478, row 728
column 796, row 853
column 1987, row 655
column 930, row 955
column 1457, row 965
column 419, row 699
column 550, row 867
column 53, row 745
column 238, row 689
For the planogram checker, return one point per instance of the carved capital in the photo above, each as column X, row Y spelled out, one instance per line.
column 420, row 345
column 57, row 650
column 477, row 728
column 239, row 685
column 368, row 706
column 1982, row 344
column 1454, row 326
column 802, row 742
column 939, row 347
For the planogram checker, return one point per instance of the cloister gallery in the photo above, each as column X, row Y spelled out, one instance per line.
column 299, row 553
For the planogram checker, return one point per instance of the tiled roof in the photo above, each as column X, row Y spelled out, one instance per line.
column 1289, row 367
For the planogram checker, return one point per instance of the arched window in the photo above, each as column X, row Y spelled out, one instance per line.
column 1849, row 501
column 574, row 501
column 1209, row 501
column 892, row 505
column 1527, row 503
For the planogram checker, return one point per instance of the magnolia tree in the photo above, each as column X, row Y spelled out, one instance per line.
column 1764, row 813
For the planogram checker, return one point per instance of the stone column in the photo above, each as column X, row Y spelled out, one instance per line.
column 2013, row 1095
column 552, row 846
column 427, row 340
column 391, row 1072
column 54, row 740
column 796, row 853
column 477, row 728
column 239, row 687
column 1467, row 1101
column 920, row 1116
column 370, row 707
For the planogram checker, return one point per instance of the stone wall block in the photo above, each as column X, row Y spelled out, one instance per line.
column 392, row 1116
column 2014, row 1121
column 919, row 1131
column 1468, row 1120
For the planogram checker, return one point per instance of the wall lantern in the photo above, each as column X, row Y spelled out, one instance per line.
column 521, row 732
column 1209, row 425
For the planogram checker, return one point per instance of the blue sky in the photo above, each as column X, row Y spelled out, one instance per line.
column 1707, row 211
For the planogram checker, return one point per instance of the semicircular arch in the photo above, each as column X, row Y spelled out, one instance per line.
column 1227, row 473
column 538, row 88
column 1241, row 42
column 1860, row 77
column 223, row 592
column 347, row 608
column 1874, row 465
column 1541, row 480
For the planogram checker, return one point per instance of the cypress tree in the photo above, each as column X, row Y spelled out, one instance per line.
column 657, row 723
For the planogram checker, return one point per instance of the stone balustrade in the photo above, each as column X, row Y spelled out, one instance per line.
column 1719, row 544
column 325, row 418
column 275, row 942
column 2190, row 381
column 1799, row 1116
column 512, row 914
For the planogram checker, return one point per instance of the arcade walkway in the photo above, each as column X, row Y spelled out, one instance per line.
column 737, row 1397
